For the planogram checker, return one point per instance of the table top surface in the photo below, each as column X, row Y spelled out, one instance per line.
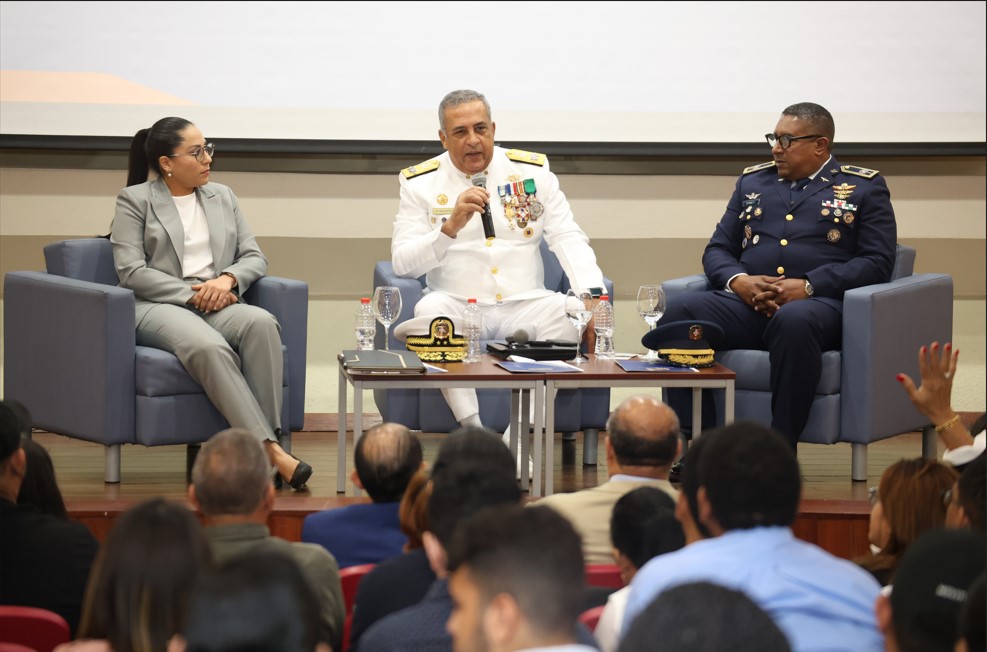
column 592, row 369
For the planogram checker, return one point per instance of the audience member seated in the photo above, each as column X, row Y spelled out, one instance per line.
column 403, row 581
column 642, row 526
column 937, row 368
column 931, row 585
column 968, row 498
column 973, row 618
column 140, row 583
column 44, row 559
column 908, row 502
column 384, row 459
column 255, row 601
column 40, row 488
column 748, row 497
column 704, row 617
column 515, row 583
column 231, row 486
column 459, row 489
column 641, row 444
column 413, row 511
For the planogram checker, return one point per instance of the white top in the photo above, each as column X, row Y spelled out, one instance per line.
column 197, row 262
column 607, row 632
column 966, row 454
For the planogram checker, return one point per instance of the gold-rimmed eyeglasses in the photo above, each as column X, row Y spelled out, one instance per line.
column 199, row 152
column 785, row 140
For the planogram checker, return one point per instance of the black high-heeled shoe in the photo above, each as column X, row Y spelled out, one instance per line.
column 301, row 475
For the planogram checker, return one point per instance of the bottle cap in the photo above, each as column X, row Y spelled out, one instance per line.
column 471, row 301
column 364, row 300
column 604, row 297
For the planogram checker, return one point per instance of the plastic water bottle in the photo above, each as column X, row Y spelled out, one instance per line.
column 603, row 325
column 473, row 331
column 366, row 326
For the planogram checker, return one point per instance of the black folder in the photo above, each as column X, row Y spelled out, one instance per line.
column 391, row 362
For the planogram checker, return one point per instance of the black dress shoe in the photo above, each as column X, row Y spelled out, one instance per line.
column 301, row 475
column 675, row 473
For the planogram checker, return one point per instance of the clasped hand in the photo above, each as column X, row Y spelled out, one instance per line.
column 213, row 295
column 766, row 294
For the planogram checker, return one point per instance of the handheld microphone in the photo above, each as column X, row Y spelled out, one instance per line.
column 519, row 338
column 486, row 216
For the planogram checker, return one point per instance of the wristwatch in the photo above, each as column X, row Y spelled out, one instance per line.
column 808, row 288
column 596, row 293
column 235, row 283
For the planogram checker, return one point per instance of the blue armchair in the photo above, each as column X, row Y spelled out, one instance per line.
column 858, row 399
column 586, row 409
column 70, row 356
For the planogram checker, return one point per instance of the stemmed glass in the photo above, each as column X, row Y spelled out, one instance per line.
column 387, row 308
column 577, row 309
column 651, row 306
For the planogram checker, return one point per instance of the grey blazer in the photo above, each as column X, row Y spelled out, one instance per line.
column 149, row 242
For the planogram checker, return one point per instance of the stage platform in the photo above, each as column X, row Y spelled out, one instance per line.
column 833, row 513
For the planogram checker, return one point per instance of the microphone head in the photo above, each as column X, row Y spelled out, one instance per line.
column 521, row 336
column 480, row 180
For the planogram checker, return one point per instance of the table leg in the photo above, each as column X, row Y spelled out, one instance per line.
column 539, row 424
column 728, row 402
column 525, row 439
column 697, row 412
column 341, row 443
column 549, row 437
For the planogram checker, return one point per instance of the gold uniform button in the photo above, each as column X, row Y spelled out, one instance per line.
column 784, row 243
column 489, row 242
column 789, row 217
column 493, row 270
column 780, row 270
column 836, row 219
column 499, row 297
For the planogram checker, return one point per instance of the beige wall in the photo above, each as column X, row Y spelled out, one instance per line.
column 648, row 224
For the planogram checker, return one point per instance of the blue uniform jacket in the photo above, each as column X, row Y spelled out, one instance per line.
column 840, row 232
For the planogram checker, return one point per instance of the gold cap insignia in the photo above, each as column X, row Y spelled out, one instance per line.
column 695, row 332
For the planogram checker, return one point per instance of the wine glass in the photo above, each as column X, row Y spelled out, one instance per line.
column 387, row 308
column 577, row 309
column 651, row 306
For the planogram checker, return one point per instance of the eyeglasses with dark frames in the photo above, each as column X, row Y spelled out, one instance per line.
column 785, row 140
column 197, row 152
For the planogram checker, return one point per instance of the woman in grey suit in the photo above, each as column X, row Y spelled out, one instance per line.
column 182, row 245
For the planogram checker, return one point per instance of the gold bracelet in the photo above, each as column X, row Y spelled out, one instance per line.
column 948, row 424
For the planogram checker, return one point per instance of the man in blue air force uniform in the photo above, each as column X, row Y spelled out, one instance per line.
column 438, row 232
column 799, row 231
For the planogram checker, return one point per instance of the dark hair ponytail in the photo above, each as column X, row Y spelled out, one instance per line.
column 149, row 145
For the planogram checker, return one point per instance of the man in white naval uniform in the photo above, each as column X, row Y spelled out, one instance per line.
column 438, row 231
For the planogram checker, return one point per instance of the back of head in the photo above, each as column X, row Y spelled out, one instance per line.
column 149, row 145
column 973, row 493
column 465, row 487
column 413, row 510
column 643, row 525
column 258, row 601
column 644, row 432
column 472, row 443
column 690, row 477
column 231, row 474
column 931, row 586
column 39, row 487
column 911, row 494
column 818, row 117
column 532, row 554
column 385, row 458
column 11, row 429
column 703, row 617
column 140, row 581
column 751, row 477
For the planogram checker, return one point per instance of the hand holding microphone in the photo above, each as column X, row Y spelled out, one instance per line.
column 486, row 216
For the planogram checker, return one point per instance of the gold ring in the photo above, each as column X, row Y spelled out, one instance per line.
column 946, row 375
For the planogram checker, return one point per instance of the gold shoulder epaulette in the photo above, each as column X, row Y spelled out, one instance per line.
column 760, row 166
column 532, row 158
column 420, row 169
column 859, row 171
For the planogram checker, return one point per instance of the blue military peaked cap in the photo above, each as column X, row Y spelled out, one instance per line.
column 685, row 343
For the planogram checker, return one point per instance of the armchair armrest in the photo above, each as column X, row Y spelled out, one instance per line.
column 883, row 327
column 411, row 289
column 678, row 286
column 287, row 300
column 69, row 349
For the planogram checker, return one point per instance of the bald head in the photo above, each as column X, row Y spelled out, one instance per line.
column 385, row 459
column 643, row 432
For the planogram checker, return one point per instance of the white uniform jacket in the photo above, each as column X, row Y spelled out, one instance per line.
column 506, row 268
